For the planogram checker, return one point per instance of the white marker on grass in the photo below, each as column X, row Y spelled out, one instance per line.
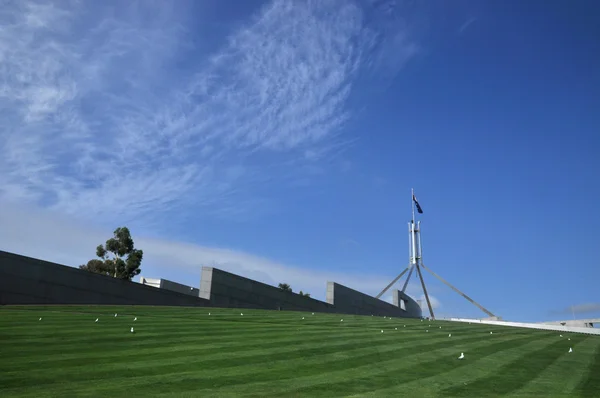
column 40, row 319
column 450, row 335
column 96, row 320
column 135, row 319
column 570, row 349
column 462, row 355
column 131, row 329
column 115, row 315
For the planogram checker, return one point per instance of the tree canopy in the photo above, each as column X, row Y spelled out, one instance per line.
column 125, row 260
column 304, row 294
column 285, row 287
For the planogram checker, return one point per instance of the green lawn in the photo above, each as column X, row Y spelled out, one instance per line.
column 187, row 352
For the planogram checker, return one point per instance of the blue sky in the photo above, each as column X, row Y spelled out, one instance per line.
column 280, row 140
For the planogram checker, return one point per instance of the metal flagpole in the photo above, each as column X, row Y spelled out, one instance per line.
column 416, row 261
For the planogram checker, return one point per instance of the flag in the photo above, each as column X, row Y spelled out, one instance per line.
column 418, row 205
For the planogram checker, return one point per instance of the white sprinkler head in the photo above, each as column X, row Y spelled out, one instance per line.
column 341, row 320
column 132, row 330
column 396, row 329
column 569, row 339
column 382, row 331
column 450, row 335
column 570, row 349
column 302, row 317
column 560, row 335
column 135, row 319
column 242, row 314
column 462, row 355
column 115, row 315
column 427, row 331
column 40, row 319
column 491, row 332
column 96, row 320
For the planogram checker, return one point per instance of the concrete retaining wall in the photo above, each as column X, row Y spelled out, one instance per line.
column 350, row 301
column 26, row 280
column 225, row 289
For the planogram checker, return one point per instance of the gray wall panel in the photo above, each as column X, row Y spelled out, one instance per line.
column 230, row 290
column 354, row 302
column 26, row 280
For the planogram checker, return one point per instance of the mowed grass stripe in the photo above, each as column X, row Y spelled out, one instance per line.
column 193, row 345
column 226, row 372
column 240, row 348
column 47, row 338
column 215, row 360
column 317, row 384
column 280, row 318
column 412, row 371
column 513, row 375
column 482, row 368
column 416, row 378
column 113, row 339
column 590, row 385
column 568, row 369
column 115, row 336
column 319, row 367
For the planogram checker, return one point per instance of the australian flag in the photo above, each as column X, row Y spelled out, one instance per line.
column 417, row 205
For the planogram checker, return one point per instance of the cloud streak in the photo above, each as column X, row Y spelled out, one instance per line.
column 117, row 114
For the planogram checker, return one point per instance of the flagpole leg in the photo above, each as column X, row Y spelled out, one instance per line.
column 459, row 292
column 407, row 279
column 392, row 282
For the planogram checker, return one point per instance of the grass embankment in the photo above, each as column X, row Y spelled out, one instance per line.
column 187, row 352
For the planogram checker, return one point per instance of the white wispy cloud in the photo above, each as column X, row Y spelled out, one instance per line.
column 110, row 110
column 466, row 24
column 54, row 237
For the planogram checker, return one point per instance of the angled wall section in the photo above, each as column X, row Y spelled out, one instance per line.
column 170, row 285
column 225, row 289
column 26, row 280
column 350, row 301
